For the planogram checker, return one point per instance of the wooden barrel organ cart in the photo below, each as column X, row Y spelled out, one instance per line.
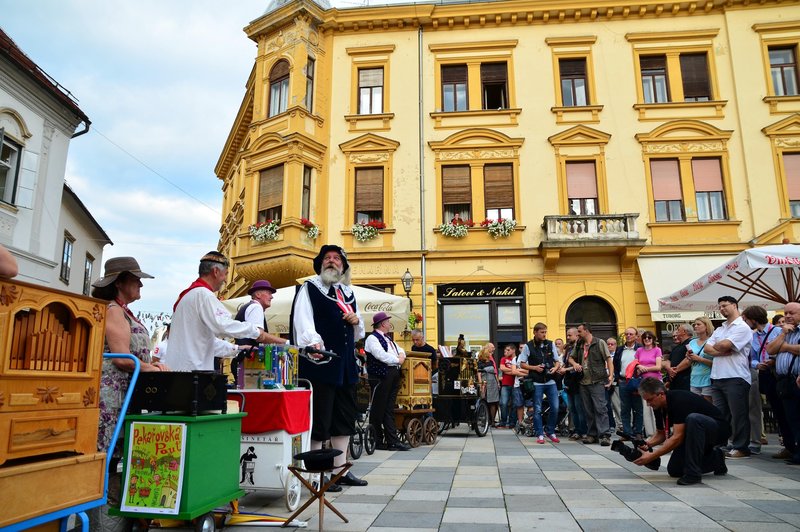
column 414, row 411
column 51, row 345
column 459, row 400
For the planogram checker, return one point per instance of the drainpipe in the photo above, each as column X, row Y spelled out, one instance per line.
column 83, row 131
column 424, row 273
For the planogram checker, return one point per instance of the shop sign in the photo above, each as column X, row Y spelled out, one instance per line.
column 469, row 290
column 154, row 471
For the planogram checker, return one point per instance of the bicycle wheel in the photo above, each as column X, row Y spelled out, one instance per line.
column 369, row 439
column 356, row 444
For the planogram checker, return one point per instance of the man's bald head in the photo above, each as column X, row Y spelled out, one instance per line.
column 792, row 313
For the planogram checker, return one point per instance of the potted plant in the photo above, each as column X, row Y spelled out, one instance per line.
column 265, row 231
column 499, row 227
column 456, row 228
column 364, row 231
column 312, row 229
column 414, row 318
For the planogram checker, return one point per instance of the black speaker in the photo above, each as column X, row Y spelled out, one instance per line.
column 179, row 392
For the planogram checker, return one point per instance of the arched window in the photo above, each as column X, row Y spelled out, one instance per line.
column 596, row 312
column 279, row 87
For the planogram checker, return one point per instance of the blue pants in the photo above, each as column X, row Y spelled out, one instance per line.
column 552, row 396
column 508, row 414
column 630, row 401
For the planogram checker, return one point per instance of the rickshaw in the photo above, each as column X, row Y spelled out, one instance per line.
column 459, row 400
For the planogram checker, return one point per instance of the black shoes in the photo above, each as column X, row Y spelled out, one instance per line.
column 349, row 480
column 399, row 446
column 720, row 468
column 688, row 481
column 333, row 488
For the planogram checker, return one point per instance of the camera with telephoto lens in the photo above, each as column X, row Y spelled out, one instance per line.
column 633, row 453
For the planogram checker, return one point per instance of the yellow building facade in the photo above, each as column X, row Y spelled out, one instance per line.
column 635, row 146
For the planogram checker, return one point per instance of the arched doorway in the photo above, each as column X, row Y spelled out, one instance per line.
column 596, row 312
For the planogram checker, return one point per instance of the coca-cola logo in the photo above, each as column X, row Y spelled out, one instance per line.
column 378, row 307
column 771, row 259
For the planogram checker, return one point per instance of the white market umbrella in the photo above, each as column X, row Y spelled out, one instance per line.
column 767, row 276
column 370, row 302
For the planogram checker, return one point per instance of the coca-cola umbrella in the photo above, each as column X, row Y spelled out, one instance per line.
column 370, row 302
column 767, row 276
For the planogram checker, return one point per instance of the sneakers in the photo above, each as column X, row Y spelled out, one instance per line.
column 540, row 439
column 575, row 437
column 736, row 453
column 553, row 438
column 605, row 441
column 589, row 440
column 784, row 454
column 754, row 450
column 688, row 481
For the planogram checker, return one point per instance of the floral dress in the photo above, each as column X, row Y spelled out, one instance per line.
column 114, row 382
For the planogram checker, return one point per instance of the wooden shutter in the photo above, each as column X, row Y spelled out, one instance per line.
column 454, row 74
column 666, row 178
column 791, row 168
column 270, row 190
column 369, row 189
column 707, row 175
column 694, row 71
column 456, row 185
column 279, row 71
column 653, row 62
column 581, row 180
column 370, row 77
column 493, row 73
column 498, row 184
column 572, row 68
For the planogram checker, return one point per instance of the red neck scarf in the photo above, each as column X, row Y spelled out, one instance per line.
column 199, row 283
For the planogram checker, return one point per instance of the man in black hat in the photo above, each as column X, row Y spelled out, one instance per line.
column 261, row 293
column 384, row 359
column 325, row 315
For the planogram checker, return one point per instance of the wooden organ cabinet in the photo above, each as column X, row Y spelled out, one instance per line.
column 51, row 345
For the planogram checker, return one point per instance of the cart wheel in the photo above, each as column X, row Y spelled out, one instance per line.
column 292, row 490
column 205, row 523
column 414, row 432
column 356, row 444
column 369, row 439
column 481, row 424
column 431, row 428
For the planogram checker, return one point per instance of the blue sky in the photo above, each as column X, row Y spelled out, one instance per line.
column 161, row 82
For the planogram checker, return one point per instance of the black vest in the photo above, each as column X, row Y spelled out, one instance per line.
column 240, row 317
column 338, row 336
column 375, row 368
column 541, row 355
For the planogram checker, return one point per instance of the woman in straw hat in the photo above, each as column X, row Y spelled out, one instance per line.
column 120, row 286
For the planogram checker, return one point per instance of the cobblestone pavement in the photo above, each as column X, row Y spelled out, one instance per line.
column 504, row 482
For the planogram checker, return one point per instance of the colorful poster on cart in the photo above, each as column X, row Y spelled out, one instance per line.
column 154, row 471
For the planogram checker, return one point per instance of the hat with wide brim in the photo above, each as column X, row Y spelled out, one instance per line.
column 321, row 255
column 261, row 285
column 379, row 317
column 318, row 459
column 117, row 266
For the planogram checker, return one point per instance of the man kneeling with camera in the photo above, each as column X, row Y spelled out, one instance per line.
column 698, row 429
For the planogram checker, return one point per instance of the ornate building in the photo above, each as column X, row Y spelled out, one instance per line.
column 635, row 147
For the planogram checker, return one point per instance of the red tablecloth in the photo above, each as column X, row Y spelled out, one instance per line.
column 269, row 410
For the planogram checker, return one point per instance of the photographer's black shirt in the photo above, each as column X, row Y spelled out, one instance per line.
column 680, row 404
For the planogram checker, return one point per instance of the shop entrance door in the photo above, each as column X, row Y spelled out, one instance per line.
column 596, row 312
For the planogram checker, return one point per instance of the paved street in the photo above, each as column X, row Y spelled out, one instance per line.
column 504, row 482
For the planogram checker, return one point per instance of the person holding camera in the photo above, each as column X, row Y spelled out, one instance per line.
column 689, row 427
column 540, row 357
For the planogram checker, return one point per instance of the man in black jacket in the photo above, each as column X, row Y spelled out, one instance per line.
column 679, row 368
column 698, row 429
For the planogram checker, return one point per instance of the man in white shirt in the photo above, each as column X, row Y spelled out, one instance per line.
column 199, row 320
column 384, row 358
column 730, row 374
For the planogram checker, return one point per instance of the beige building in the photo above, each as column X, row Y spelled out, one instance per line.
column 635, row 146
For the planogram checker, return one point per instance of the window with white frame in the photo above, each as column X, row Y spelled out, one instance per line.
column 582, row 187
column 66, row 257
column 9, row 167
column 370, row 91
column 279, row 88
column 88, row 268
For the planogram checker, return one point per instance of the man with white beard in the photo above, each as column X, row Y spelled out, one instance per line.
column 325, row 315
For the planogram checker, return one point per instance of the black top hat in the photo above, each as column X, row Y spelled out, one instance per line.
column 321, row 255
column 318, row 459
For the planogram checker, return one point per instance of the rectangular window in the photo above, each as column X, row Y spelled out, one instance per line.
column 66, row 257
column 454, row 88
column 667, row 194
column 369, row 195
column 310, row 84
column 306, row 197
column 494, row 84
column 456, row 193
column 582, row 188
column 498, row 187
column 370, row 91
column 694, row 73
column 270, row 194
column 791, row 167
column 783, row 70
column 573, row 82
column 654, row 78
column 9, row 168
column 88, row 267
column 710, row 197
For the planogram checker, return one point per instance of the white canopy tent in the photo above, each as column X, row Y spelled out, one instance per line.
column 768, row 276
column 370, row 302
